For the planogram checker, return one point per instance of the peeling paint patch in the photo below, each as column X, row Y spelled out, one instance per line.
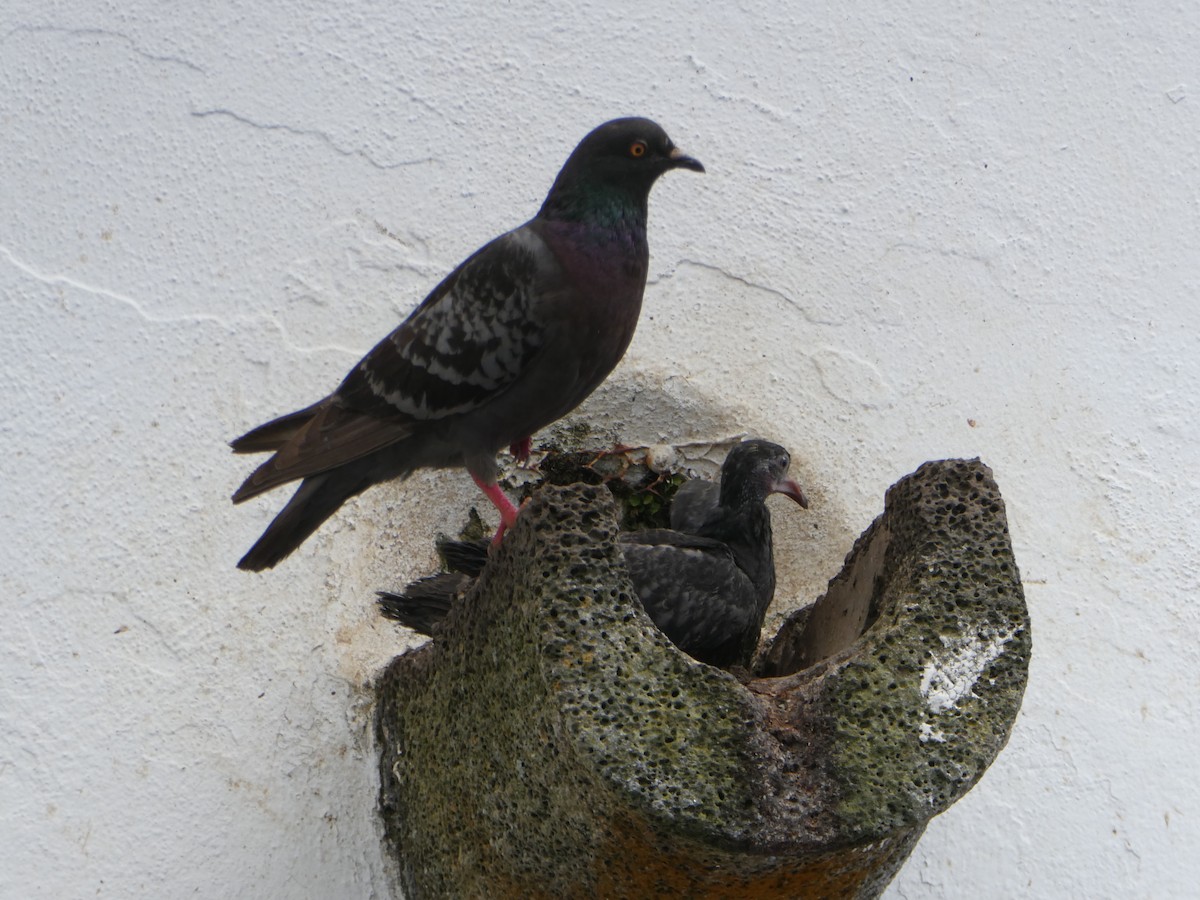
column 851, row 379
column 951, row 676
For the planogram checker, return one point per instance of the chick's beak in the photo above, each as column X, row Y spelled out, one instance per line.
column 789, row 488
column 680, row 160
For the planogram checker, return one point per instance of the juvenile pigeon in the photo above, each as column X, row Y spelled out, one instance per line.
column 692, row 503
column 512, row 340
column 426, row 602
column 708, row 591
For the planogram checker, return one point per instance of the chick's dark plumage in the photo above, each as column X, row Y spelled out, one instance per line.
column 707, row 589
column 513, row 339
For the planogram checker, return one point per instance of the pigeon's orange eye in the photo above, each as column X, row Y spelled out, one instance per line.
column 637, row 149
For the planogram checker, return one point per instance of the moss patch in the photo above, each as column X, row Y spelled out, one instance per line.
column 552, row 743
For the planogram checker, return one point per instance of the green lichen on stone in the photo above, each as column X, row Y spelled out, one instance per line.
column 568, row 436
column 929, row 696
column 552, row 743
column 548, row 692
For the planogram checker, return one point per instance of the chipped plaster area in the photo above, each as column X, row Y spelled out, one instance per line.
column 919, row 238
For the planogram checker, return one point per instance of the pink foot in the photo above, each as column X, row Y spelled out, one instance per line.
column 498, row 537
column 508, row 512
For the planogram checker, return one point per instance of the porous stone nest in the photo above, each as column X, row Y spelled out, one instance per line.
column 553, row 743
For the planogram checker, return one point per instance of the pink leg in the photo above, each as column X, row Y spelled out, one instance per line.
column 508, row 512
column 521, row 449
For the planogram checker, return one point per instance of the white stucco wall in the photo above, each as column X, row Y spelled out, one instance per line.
column 927, row 230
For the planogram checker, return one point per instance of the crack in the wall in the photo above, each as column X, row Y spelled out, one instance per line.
column 141, row 312
column 57, row 279
column 321, row 136
column 945, row 252
column 754, row 285
column 723, row 96
column 103, row 33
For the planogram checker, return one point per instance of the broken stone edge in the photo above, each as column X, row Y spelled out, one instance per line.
column 553, row 743
column 919, row 687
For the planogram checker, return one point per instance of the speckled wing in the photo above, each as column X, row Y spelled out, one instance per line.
column 691, row 588
column 471, row 337
column 468, row 341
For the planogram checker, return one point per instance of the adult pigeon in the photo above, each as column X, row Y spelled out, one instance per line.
column 708, row 590
column 512, row 340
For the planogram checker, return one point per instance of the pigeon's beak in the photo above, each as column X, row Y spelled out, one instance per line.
column 680, row 160
column 789, row 488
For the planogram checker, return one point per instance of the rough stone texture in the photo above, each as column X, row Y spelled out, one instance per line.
column 553, row 743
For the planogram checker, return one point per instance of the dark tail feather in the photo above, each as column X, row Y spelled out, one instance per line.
column 274, row 434
column 425, row 603
column 468, row 557
column 317, row 498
